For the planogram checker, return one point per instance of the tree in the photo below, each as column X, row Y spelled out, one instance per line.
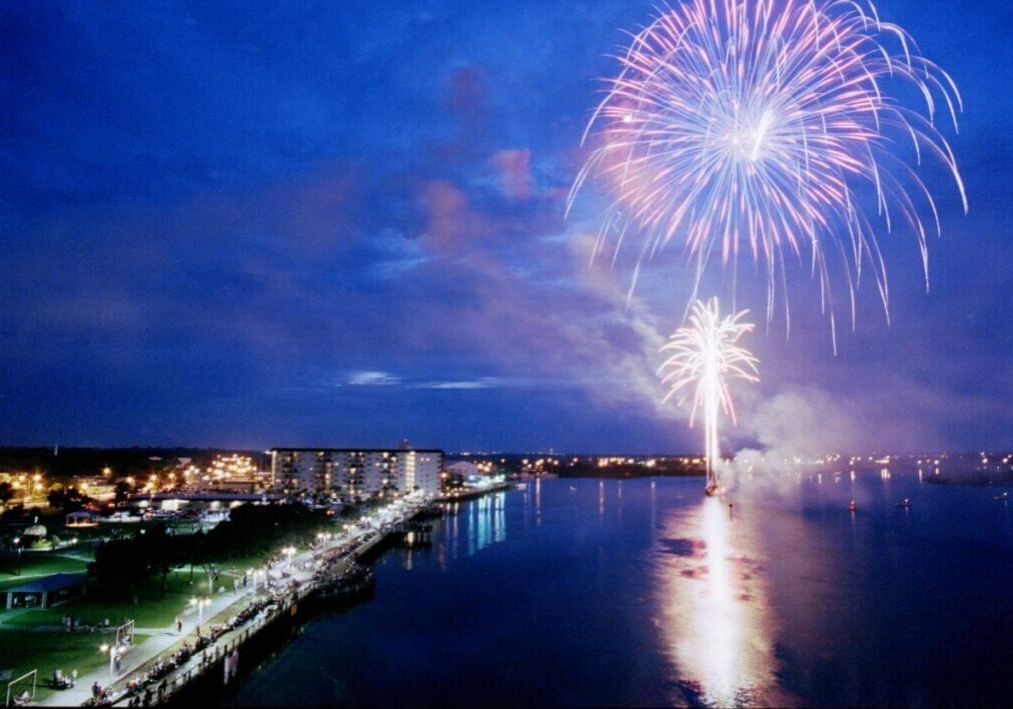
column 6, row 493
column 122, row 493
column 66, row 498
column 126, row 563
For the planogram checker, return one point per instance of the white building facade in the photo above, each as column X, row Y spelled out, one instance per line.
column 356, row 472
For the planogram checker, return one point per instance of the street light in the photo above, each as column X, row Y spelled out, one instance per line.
column 200, row 603
column 17, row 543
column 111, row 649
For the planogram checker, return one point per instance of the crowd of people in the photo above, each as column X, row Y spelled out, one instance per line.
column 100, row 696
column 336, row 569
column 62, row 681
column 73, row 624
column 336, row 572
column 154, row 682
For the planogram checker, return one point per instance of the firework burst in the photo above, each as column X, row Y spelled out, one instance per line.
column 702, row 357
column 771, row 129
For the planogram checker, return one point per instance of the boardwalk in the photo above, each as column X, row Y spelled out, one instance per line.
column 163, row 642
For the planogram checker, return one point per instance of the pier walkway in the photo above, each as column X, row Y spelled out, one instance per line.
column 291, row 578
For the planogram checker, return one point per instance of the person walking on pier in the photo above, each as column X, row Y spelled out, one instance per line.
column 179, row 625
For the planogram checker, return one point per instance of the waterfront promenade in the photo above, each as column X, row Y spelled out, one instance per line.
column 288, row 579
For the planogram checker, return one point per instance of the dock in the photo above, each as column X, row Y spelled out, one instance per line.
column 475, row 492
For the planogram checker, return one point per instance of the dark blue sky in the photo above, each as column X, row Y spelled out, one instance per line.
column 255, row 224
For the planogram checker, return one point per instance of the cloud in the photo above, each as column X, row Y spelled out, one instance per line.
column 384, row 208
column 464, row 384
column 373, row 379
column 514, row 169
column 451, row 220
column 466, row 95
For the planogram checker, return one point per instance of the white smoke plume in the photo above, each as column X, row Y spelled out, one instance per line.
column 793, row 430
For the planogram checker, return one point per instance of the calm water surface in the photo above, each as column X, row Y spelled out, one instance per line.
column 645, row 592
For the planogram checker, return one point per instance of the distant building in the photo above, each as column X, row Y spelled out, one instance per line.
column 356, row 472
column 463, row 469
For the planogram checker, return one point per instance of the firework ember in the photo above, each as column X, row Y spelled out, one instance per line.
column 703, row 357
column 771, row 129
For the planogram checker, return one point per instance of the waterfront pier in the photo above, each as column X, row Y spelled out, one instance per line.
column 241, row 628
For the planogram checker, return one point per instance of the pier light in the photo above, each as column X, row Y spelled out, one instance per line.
column 201, row 604
column 111, row 649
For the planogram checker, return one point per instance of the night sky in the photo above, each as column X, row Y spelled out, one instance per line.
column 342, row 223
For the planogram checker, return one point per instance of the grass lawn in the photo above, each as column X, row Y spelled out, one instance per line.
column 22, row 651
column 37, row 564
column 154, row 608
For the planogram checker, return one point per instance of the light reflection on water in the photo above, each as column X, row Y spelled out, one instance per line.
column 590, row 592
column 712, row 596
column 485, row 524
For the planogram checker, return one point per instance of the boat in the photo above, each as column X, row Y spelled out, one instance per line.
column 905, row 503
column 521, row 486
column 711, row 490
column 852, row 506
column 573, row 489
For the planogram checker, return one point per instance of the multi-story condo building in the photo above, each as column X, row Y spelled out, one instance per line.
column 420, row 470
column 356, row 472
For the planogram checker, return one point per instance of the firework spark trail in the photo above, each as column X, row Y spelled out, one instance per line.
column 703, row 357
column 765, row 127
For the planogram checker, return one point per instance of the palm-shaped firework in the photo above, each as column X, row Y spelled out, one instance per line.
column 703, row 357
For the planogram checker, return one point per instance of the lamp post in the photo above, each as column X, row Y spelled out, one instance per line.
column 111, row 649
column 200, row 603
